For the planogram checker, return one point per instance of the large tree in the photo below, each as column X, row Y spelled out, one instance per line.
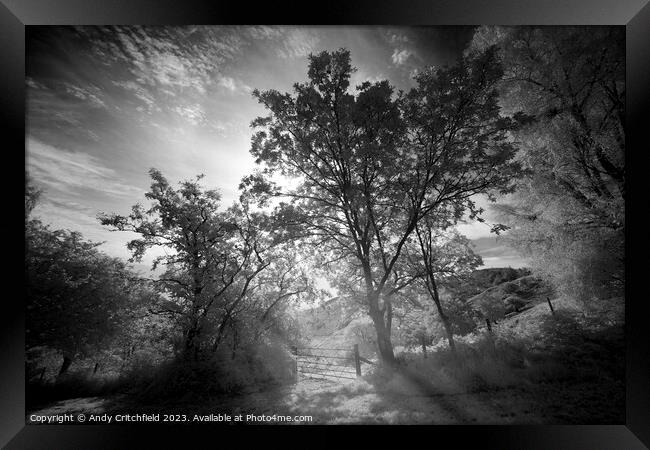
column 372, row 163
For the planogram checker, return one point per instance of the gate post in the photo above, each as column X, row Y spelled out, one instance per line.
column 550, row 305
column 294, row 350
column 357, row 363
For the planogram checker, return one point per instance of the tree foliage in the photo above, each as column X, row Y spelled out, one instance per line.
column 568, row 215
column 78, row 298
column 213, row 260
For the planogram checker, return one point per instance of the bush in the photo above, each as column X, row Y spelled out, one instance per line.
column 503, row 361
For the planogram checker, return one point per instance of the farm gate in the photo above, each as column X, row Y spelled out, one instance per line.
column 327, row 363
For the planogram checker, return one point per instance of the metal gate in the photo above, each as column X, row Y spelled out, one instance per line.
column 327, row 363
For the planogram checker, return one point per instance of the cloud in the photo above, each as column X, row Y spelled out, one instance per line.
column 288, row 42
column 194, row 114
column 141, row 93
column 33, row 84
column 297, row 43
column 474, row 230
column 174, row 61
column 89, row 94
column 399, row 57
column 233, row 85
column 73, row 172
column 72, row 216
column 264, row 32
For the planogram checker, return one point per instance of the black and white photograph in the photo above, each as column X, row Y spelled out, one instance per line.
column 325, row 225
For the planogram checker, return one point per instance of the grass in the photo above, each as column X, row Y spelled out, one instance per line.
column 568, row 366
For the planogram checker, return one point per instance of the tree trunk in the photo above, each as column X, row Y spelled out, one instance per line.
column 190, row 341
column 389, row 316
column 221, row 332
column 433, row 290
column 432, row 287
column 384, row 344
column 67, row 360
column 450, row 333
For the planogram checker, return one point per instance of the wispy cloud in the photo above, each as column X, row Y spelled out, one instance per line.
column 90, row 94
column 33, row 84
column 141, row 93
column 175, row 62
column 297, row 43
column 233, row 85
column 194, row 114
column 74, row 172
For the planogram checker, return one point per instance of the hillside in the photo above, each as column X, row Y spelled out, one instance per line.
column 480, row 280
column 511, row 297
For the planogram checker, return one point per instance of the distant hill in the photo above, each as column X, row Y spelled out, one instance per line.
column 511, row 296
column 495, row 276
column 479, row 281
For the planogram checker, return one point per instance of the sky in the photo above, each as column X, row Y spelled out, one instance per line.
column 106, row 104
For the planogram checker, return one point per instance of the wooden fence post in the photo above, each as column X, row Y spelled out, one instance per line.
column 294, row 350
column 550, row 305
column 357, row 362
column 424, row 346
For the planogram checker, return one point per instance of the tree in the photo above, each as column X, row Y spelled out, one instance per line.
column 373, row 164
column 78, row 299
column 568, row 214
column 443, row 256
column 212, row 256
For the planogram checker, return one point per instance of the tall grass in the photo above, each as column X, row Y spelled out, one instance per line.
column 560, row 349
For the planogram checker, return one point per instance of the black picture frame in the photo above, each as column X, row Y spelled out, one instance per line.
column 15, row 15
